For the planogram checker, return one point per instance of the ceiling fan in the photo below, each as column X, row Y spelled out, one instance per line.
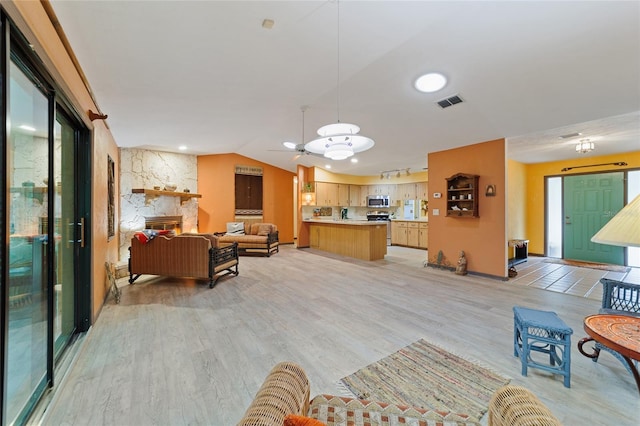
column 299, row 147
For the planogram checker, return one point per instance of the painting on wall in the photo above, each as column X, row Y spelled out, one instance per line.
column 111, row 191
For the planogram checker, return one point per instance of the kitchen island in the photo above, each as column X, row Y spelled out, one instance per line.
column 360, row 239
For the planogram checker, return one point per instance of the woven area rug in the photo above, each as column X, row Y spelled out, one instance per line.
column 592, row 265
column 426, row 376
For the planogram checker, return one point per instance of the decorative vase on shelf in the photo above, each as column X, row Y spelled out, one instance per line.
column 170, row 186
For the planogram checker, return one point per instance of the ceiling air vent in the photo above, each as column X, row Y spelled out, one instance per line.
column 445, row 103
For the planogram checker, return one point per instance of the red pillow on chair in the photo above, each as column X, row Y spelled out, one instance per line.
column 295, row 420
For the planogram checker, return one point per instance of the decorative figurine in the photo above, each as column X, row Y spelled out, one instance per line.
column 461, row 269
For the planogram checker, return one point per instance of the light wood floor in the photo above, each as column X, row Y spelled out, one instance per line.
column 175, row 352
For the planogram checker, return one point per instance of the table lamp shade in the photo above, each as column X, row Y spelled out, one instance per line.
column 623, row 229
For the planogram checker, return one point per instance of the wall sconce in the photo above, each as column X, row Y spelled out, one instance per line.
column 490, row 191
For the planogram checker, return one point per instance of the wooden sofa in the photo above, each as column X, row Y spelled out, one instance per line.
column 184, row 255
column 258, row 238
column 286, row 389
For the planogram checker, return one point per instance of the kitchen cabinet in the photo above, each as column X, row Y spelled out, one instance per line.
column 423, row 235
column 406, row 191
column 413, row 191
column 413, row 234
column 409, row 233
column 354, row 196
column 398, row 233
column 343, row 195
column 380, row 189
column 422, row 190
column 462, row 195
column 326, row 194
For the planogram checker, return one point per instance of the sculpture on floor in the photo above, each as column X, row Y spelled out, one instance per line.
column 461, row 269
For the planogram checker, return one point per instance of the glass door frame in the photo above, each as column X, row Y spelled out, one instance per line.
column 14, row 45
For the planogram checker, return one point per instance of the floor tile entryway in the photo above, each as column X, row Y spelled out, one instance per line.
column 537, row 272
column 579, row 281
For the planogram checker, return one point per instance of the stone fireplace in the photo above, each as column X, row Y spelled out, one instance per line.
column 146, row 169
column 171, row 223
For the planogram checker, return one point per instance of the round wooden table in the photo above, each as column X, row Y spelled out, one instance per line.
column 618, row 332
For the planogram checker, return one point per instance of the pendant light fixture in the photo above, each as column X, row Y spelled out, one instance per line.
column 584, row 146
column 339, row 141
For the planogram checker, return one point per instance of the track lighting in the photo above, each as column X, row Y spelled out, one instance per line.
column 398, row 172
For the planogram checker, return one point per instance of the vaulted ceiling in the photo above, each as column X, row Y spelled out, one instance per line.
column 208, row 75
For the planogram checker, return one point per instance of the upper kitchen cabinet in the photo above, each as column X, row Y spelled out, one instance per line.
column 422, row 190
column 406, row 191
column 412, row 191
column 354, row 196
column 380, row 189
column 326, row 194
column 343, row 195
column 462, row 195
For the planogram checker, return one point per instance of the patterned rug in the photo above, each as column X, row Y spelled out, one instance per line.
column 426, row 376
column 592, row 265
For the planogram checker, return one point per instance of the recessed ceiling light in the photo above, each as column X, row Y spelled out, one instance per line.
column 328, row 166
column 182, row 147
column 431, row 82
column 267, row 24
column 354, row 160
column 29, row 128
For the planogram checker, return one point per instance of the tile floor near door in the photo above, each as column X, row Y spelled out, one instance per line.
column 538, row 272
column 175, row 352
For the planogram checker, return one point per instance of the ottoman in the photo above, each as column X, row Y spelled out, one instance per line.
column 544, row 332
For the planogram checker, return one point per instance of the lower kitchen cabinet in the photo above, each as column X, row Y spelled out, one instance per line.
column 423, row 235
column 409, row 233
column 412, row 234
column 398, row 233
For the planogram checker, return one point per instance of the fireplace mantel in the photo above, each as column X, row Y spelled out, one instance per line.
column 152, row 193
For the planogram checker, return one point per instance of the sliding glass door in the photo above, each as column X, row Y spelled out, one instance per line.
column 27, row 175
column 45, row 297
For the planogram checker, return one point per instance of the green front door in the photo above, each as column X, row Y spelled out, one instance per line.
column 590, row 201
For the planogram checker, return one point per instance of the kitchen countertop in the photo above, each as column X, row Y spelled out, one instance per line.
column 410, row 220
column 344, row 221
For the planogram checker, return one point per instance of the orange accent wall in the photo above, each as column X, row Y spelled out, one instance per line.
column 483, row 239
column 216, row 183
column 536, row 174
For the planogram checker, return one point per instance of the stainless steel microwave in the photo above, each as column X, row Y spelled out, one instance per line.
column 378, row 201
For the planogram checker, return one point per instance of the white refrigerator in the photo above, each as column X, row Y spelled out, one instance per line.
column 410, row 209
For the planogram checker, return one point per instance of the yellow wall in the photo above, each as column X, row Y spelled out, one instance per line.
column 33, row 22
column 516, row 200
column 536, row 174
column 216, row 183
column 483, row 239
column 322, row 175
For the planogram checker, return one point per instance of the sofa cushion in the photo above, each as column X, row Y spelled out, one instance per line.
column 257, row 240
column 335, row 410
column 255, row 228
column 264, row 229
column 235, row 228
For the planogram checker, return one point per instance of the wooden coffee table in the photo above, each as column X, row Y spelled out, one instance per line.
column 618, row 332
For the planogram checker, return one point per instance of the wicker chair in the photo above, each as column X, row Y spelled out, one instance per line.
column 621, row 299
column 516, row 406
column 285, row 391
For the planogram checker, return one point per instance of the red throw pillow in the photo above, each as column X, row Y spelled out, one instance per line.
column 295, row 420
